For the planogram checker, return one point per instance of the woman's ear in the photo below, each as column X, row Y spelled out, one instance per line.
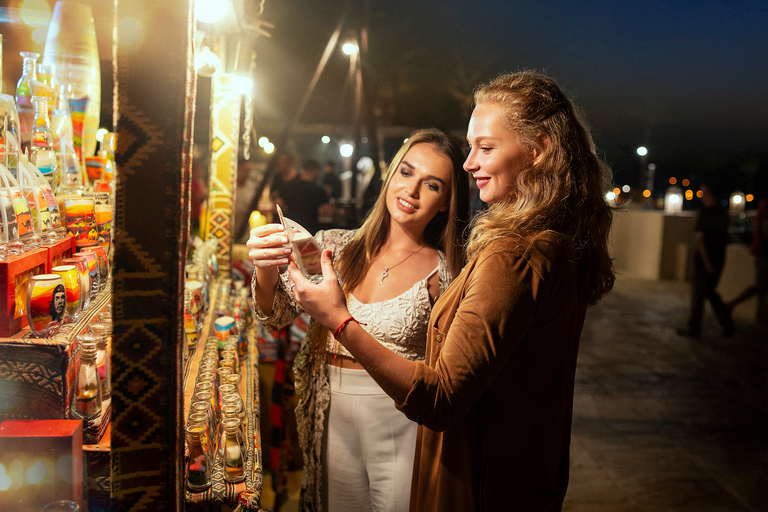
column 541, row 149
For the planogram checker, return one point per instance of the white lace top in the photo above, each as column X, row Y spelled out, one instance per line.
column 399, row 323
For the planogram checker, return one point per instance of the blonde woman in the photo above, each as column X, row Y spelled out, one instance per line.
column 391, row 271
column 494, row 396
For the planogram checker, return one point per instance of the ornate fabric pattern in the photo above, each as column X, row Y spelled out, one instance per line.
column 153, row 82
column 221, row 491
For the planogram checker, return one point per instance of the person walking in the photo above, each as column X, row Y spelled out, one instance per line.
column 710, row 242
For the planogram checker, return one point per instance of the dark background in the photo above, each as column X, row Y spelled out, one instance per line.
column 686, row 79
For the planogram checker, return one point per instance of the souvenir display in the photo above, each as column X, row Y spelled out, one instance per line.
column 81, row 263
column 46, row 304
column 71, row 278
column 81, row 221
column 71, row 46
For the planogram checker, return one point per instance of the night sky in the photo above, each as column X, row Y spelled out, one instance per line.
column 687, row 79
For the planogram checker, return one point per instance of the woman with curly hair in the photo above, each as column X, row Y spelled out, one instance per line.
column 494, row 396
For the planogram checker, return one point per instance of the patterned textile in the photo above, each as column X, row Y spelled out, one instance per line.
column 222, row 493
column 154, row 87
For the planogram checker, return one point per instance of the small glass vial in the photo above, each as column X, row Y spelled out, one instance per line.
column 198, row 464
column 234, row 457
column 230, row 411
column 207, row 396
column 225, row 389
column 207, row 387
column 198, row 418
column 86, row 402
column 234, row 399
column 221, row 374
column 24, row 105
column 205, row 408
column 103, row 361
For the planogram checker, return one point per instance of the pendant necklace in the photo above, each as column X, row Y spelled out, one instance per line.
column 387, row 269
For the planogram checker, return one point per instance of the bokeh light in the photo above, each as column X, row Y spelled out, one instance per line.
column 36, row 13
column 689, row 194
column 39, row 35
column 36, row 472
column 685, row 182
column 672, row 180
column 646, row 193
column 699, row 194
column 64, row 468
column 626, row 189
column 208, row 11
column 750, row 198
column 5, row 480
column 242, row 84
column 346, row 150
column 642, row 151
column 131, row 33
column 326, row 139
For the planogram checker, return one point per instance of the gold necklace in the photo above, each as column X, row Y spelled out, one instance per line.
column 387, row 269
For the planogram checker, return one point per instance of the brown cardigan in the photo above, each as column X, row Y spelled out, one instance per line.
column 494, row 397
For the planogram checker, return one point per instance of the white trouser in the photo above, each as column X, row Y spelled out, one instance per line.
column 371, row 446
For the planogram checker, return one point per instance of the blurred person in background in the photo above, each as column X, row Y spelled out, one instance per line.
column 710, row 242
column 759, row 249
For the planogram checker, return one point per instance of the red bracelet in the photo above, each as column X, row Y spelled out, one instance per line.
column 341, row 327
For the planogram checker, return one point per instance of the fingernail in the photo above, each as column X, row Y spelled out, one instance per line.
column 287, row 250
column 284, row 240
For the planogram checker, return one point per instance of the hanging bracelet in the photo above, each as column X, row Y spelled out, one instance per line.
column 341, row 327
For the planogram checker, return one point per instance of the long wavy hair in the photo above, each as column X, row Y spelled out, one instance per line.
column 561, row 193
column 445, row 232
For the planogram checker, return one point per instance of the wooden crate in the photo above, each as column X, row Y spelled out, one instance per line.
column 45, row 462
column 63, row 248
column 37, row 374
column 14, row 276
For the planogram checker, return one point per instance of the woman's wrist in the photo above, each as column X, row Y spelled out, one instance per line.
column 340, row 322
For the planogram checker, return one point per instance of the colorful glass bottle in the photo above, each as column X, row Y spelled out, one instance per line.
column 24, row 105
column 71, row 177
column 41, row 148
column 198, row 464
column 234, row 457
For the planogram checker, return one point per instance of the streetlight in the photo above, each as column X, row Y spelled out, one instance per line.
column 673, row 200
column 349, row 48
column 346, row 150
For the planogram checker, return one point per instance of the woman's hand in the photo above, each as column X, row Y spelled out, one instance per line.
column 266, row 246
column 324, row 301
column 267, row 252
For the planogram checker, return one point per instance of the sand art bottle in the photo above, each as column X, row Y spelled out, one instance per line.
column 86, row 403
column 198, row 464
column 234, row 458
